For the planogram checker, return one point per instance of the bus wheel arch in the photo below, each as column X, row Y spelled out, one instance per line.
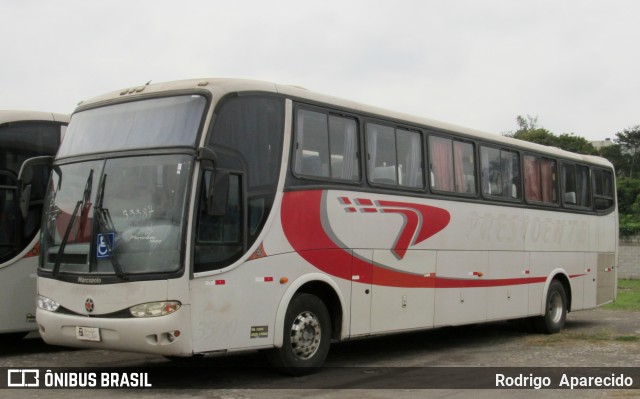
column 564, row 280
column 330, row 298
column 306, row 336
column 556, row 305
column 314, row 304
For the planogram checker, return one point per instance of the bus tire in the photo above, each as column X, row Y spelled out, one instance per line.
column 555, row 313
column 307, row 336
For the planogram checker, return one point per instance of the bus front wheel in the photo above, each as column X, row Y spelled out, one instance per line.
column 307, row 336
column 555, row 313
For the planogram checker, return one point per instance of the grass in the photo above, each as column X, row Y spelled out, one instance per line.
column 628, row 296
column 607, row 335
column 627, row 338
column 591, row 336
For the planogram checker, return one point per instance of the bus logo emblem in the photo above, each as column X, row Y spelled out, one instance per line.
column 415, row 228
column 88, row 305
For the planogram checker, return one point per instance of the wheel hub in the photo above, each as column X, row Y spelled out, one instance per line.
column 305, row 335
column 555, row 307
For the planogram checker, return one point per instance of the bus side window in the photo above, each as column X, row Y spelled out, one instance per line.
column 312, row 144
column 603, row 193
column 343, row 142
column 452, row 165
column 326, row 146
column 576, row 188
column 394, row 156
column 381, row 154
column 540, row 179
column 500, row 173
column 247, row 136
column 219, row 239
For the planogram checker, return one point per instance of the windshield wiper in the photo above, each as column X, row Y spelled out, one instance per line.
column 105, row 226
column 86, row 196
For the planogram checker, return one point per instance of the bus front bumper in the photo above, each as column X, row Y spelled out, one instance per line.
column 168, row 335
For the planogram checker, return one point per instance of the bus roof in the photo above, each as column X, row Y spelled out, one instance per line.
column 220, row 87
column 24, row 116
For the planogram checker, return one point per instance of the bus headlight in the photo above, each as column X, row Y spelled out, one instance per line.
column 153, row 309
column 45, row 303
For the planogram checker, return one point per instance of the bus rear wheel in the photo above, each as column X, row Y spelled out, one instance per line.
column 307, row 336
column 555, row 313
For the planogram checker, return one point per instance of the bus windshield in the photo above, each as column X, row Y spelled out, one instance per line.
column 159, row 122
column 118, row 216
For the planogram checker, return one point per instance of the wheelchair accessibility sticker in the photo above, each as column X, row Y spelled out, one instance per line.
column 102, row 248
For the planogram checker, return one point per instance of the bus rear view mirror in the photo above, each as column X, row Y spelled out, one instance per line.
column 218, row 193
column 28, row 170
column 32, row 166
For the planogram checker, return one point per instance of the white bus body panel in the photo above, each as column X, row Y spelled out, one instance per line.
column 395, row 308
column 18, row 286
column 461, row 305
column 508, row 301
column 238, row 310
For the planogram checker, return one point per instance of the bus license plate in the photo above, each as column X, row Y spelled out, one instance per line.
column 88, row 333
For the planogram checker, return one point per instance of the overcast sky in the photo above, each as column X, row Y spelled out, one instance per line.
column 476, row 63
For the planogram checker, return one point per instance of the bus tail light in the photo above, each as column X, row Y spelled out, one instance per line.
column 153, row 309
column 45, row 303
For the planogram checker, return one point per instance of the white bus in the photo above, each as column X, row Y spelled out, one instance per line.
column 23, row 135
column 213, row 216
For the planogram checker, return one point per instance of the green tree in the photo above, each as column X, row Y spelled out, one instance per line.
column 619, row 160
column 629, row 196
column 528, row 130
column 629, row 141
column 540, row 136
column 629, row 205
column 527, row 123
column 573, row 143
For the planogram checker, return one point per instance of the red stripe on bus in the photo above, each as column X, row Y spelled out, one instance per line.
column 302, row 225
column 444, row 282
column 407, row 233
column 364, row 202
column 433, row 219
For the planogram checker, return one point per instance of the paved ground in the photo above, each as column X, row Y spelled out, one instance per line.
column 392, row 364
